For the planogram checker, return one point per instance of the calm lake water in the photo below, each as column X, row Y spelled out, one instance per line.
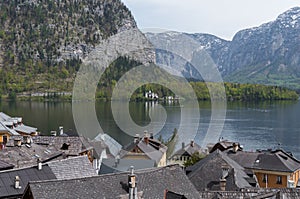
column 255, row 125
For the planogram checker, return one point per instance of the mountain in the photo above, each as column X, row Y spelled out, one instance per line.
column 268, row 54
column 42, row 43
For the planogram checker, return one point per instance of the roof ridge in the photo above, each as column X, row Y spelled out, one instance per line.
column 105, row 175
column 66, row 159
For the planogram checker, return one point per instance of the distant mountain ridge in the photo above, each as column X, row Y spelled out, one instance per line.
column 268, row 54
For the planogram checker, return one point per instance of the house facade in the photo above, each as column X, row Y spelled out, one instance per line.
column 272, row 168
column 185, row 153
column 146, row 148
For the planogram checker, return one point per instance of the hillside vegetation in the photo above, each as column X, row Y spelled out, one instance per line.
column 42, row 43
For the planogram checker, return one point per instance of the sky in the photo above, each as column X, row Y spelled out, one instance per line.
column 222, row 18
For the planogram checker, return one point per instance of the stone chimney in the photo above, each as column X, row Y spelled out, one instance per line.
column 28, row 140
column 132, row 184
column 39, row 164
column 117, row 161
column 223, row 184
column 136, row 138
column 182, row 145
column 53, row 133
column 61, row 130
column 192, row 143
column 151, row 136
column 17, row 142
column 17, row 182
column 146, row 139
column 235, row 147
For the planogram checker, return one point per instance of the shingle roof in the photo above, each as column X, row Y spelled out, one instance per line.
column 25, row 129
column 277, row 160
column 7, row 179
column 4, row 165
column 74, row 167
column 6, row 120
column 253, row 193
column 123, row 165
column 4, row 117
column 206, row 173
column 27, row 155
column 243, row 158
column 74, row 144
column 151, row 183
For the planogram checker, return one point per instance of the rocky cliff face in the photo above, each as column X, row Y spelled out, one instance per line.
column 44, row 42
column 268, row 54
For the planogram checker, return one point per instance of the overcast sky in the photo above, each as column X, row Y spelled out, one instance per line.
column 222, row 18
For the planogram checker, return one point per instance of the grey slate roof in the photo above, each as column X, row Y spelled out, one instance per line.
column 207, row 173
column 4, row 117
column 74, row 167
column 27, row 155
column 7, row 179
column 151, row 183
column 6, row 120
column 243, row 158
column 4, row 165
column 277, row 160
column 252, row 193
column 4, row 128
column 123, row 165
column 25, row 129
column 76, row 144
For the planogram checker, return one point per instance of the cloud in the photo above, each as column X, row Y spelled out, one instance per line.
column 223, row 18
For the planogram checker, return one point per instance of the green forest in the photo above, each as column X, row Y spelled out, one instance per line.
column 234, row 91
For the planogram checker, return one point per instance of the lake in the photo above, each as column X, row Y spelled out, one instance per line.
column 255, row 125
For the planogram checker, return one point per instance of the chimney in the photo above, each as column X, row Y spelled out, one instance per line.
column 28, row 140
column 53, row 133
column 151, row 136
column 146, row 139
column 146, row 134
column 223, row 184
column 61, row 130
column 182, row 145
column 39, row 164
column 117, row 160
column 192, row 143
column 136, row 138
column 17, row 182
column 132, row 184
column 17, row 142
column 235, row 147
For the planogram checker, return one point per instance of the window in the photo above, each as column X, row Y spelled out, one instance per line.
column 4, row 139
column 279, row 180
column 265, row 178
